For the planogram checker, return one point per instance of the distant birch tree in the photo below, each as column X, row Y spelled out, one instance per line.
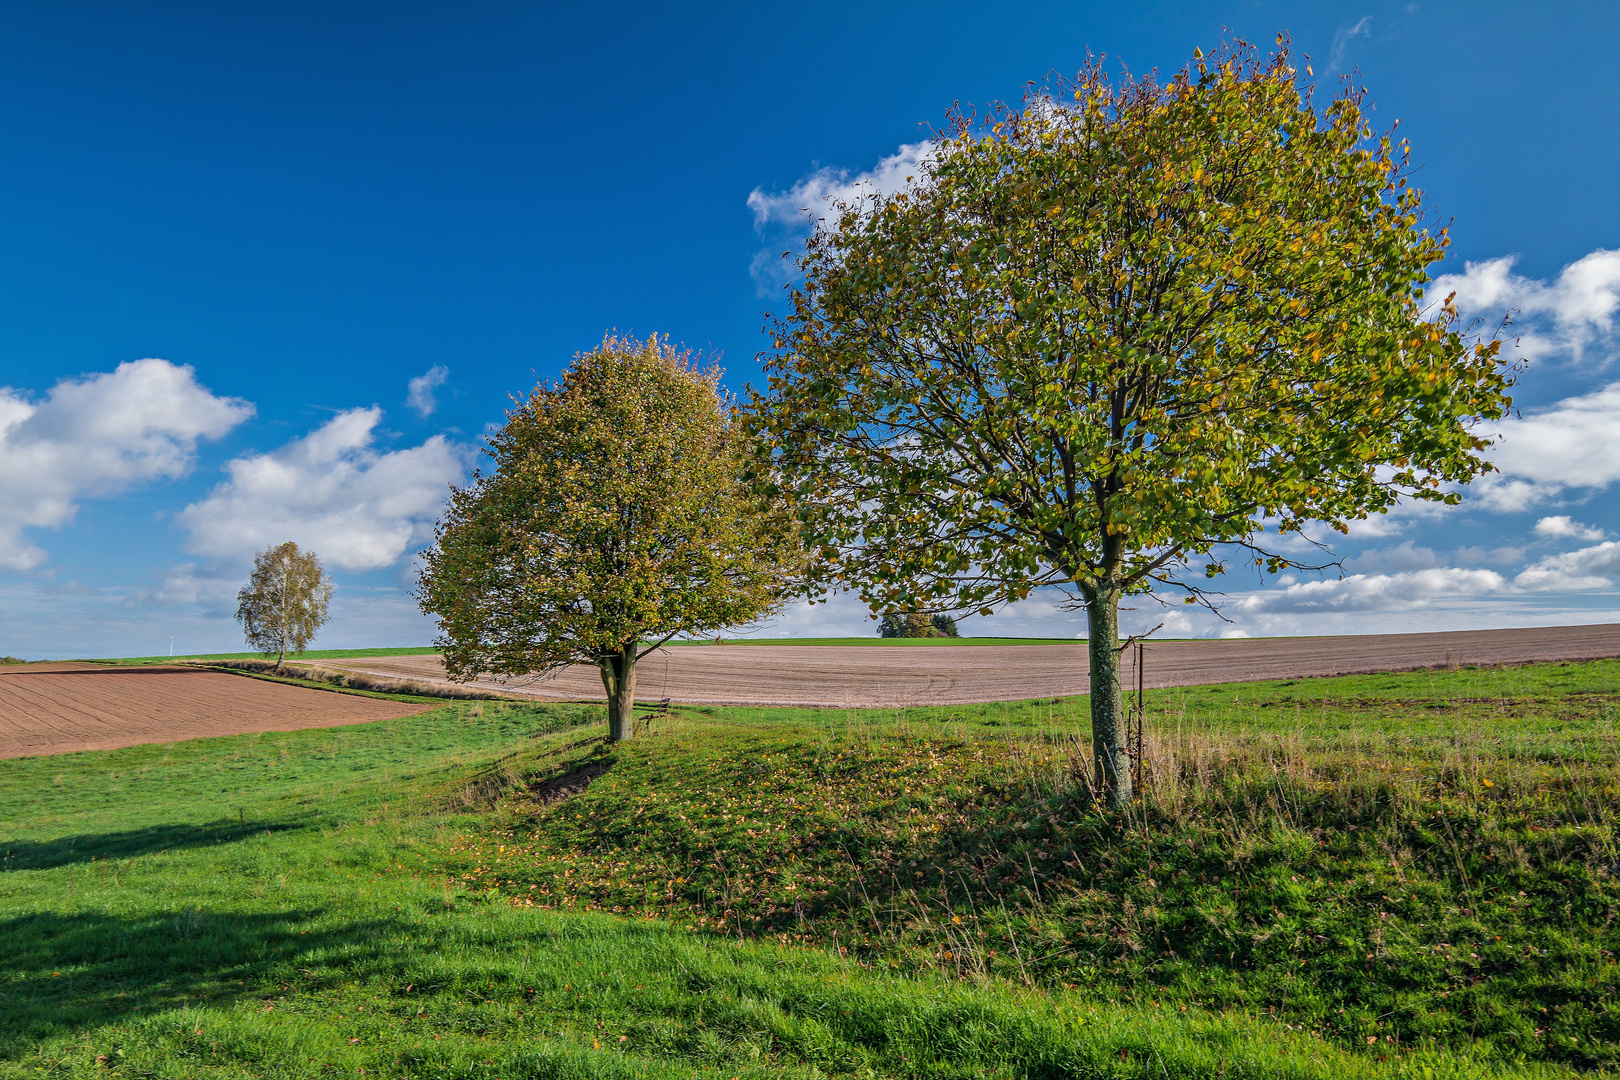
column 1106, row 338
column 284, row 603
column 615, row 518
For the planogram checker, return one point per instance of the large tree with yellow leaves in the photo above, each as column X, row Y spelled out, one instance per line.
column 1103, row 338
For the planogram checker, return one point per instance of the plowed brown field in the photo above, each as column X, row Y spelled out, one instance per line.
column 876, row 675
column 59, row 708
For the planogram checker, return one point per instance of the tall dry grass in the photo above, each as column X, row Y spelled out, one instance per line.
column 1478, row 800
column 355, row 680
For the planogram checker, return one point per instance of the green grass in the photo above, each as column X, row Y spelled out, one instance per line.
column 1423, row 859
column 832, row 893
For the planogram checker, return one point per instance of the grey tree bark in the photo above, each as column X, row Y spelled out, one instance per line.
column 619, row 679
column 1108, row 749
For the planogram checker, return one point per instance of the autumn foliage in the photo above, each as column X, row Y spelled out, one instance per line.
column 1105, row 340
column 284, row 603
column 614, row 519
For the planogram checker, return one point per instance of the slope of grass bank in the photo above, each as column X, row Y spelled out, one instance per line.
column 1386, row 860
column 376, row 897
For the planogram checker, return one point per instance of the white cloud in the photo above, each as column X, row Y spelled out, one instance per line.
column 819, row 194
column 1575, row 443
column 816, row 197
column 1501, row 556
column 1564, row 316
column 1343, row 37
column 420, row 396
column 1392, row 522
column 1588, row 568
column 1565, row 526
column 840, row 615
column 210, row 591
column 331, row 491
column 41, row 619
column 96, row 436
column 1405, row 556
column 770, row 270
column 1317, row 539
column 1402, row 591
column 1495, row 492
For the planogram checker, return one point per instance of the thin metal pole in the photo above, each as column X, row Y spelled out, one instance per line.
column 1141, row 719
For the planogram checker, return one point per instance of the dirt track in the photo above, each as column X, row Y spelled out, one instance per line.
column 60, row 708
column 875, row 675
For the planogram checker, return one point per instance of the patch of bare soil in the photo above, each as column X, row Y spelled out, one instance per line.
column 568, row 785
column 854, row 676
column 60, row 708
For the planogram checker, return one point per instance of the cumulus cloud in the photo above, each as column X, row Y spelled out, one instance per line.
column 1565, row 316
column 1588, row 568
column 1501, row 494
column 208, row 589
column 1405, row 556
column 1574, row 443
column 1397, row 519
column 1401, row 591
column 839, row 615
column 1316, row 539
column 792, row 214
column 815, row 196
column 420, row 395
column 332, row 491
column 1565, row 526
column 1501, row 556
column 96, row 436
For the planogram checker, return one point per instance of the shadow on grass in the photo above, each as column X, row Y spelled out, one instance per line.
column 69, row 971
column 90, row 847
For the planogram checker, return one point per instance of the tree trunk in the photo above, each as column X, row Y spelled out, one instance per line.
column 1108, row 749
column 619, row 679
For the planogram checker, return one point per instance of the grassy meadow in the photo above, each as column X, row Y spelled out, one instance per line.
column 1408, row 875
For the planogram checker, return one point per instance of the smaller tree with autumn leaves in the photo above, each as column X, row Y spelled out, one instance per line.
column 283, row 605
column 615, row 518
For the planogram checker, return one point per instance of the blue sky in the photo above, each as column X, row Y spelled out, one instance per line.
column 230, row 239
